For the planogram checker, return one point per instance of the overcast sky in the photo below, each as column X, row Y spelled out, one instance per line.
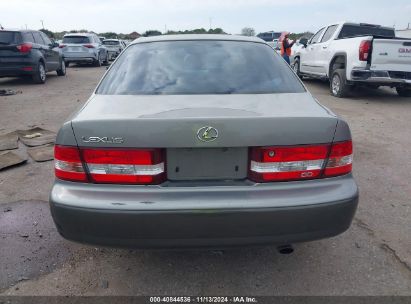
column 232, row 15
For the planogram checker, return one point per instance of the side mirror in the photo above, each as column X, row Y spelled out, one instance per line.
column 304, row 41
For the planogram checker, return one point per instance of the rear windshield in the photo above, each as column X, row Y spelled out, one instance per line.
column 199, row 67
column 111, row 42
column 9, row 37
column 76, row 39
column 362, row 30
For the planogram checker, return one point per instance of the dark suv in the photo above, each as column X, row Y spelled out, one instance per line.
column 27, row 52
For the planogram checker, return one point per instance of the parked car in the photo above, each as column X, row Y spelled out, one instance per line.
column 114, row 47
column 212, row 140
column 84, row 48
column 274, row 44
column 29, row 53
column 350, row 54
column 102, row 38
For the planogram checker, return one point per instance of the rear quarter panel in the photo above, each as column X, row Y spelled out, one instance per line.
column 349, row 47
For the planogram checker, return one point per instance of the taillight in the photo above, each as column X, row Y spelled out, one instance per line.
column 62, row 46
column 89, row 46
column 110, row 166
column 25, row 47
column 340, row 159
column 145, row 166
column 68, row 165
column 268, row 164
column 365, row 49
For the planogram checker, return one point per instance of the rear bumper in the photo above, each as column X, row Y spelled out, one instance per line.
column 17, row 68
column 80, row 57
column 382, row 77
column 221, row 216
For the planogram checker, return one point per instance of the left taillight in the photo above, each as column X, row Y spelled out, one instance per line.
column 68, row 164
column 111, row 166
column 25, row 47
column 269, row 164
column 132, row 166
column 364, row 50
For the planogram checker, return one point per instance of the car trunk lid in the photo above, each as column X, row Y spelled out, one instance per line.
column 172, row 121
column 177, row 124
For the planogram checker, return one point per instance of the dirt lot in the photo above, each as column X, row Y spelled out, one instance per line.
column 372, row 258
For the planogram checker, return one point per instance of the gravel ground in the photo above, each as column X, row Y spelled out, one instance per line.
column 372, row 258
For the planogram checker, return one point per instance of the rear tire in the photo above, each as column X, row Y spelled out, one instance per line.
column 105, row 62
column 62, row 70
column 403, row 92
column 296, row 67
column 338, row 84
column 97, row 62
column 39, row 75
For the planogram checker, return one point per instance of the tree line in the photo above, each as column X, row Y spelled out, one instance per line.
column 133, row 35
column 246, row 31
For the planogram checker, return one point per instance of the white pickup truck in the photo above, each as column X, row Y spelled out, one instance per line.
column 350, row 54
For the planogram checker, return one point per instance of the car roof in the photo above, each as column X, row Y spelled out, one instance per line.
column 184, row 37
column 111, row 39
column 79, row 34
column 18, row 30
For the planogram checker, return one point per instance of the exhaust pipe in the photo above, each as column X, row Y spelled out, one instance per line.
column 285, row 249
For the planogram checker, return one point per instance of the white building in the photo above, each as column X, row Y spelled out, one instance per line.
column 404, row 33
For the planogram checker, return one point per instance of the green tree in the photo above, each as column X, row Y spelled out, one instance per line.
column 248, row 31
column 151, row 33
column 50, row 34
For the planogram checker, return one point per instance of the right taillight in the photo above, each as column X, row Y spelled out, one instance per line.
column 340, row 159
column 365, row 50
column 271, row 164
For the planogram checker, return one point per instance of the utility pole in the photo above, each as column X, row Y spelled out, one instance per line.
column 42, row 24
column 210, row 20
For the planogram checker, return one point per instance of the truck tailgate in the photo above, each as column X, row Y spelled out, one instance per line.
column 391, row 55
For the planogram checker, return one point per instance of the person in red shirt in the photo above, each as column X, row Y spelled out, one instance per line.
column 286, row 46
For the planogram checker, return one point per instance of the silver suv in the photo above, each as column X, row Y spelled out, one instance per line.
column 84, row 48
column 114, row 47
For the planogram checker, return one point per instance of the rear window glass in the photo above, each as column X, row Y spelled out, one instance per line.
column 28, row 37
column 111, row 42
column 199, row 67
column 9, row 37
column 357, row 31
column 76, row 39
